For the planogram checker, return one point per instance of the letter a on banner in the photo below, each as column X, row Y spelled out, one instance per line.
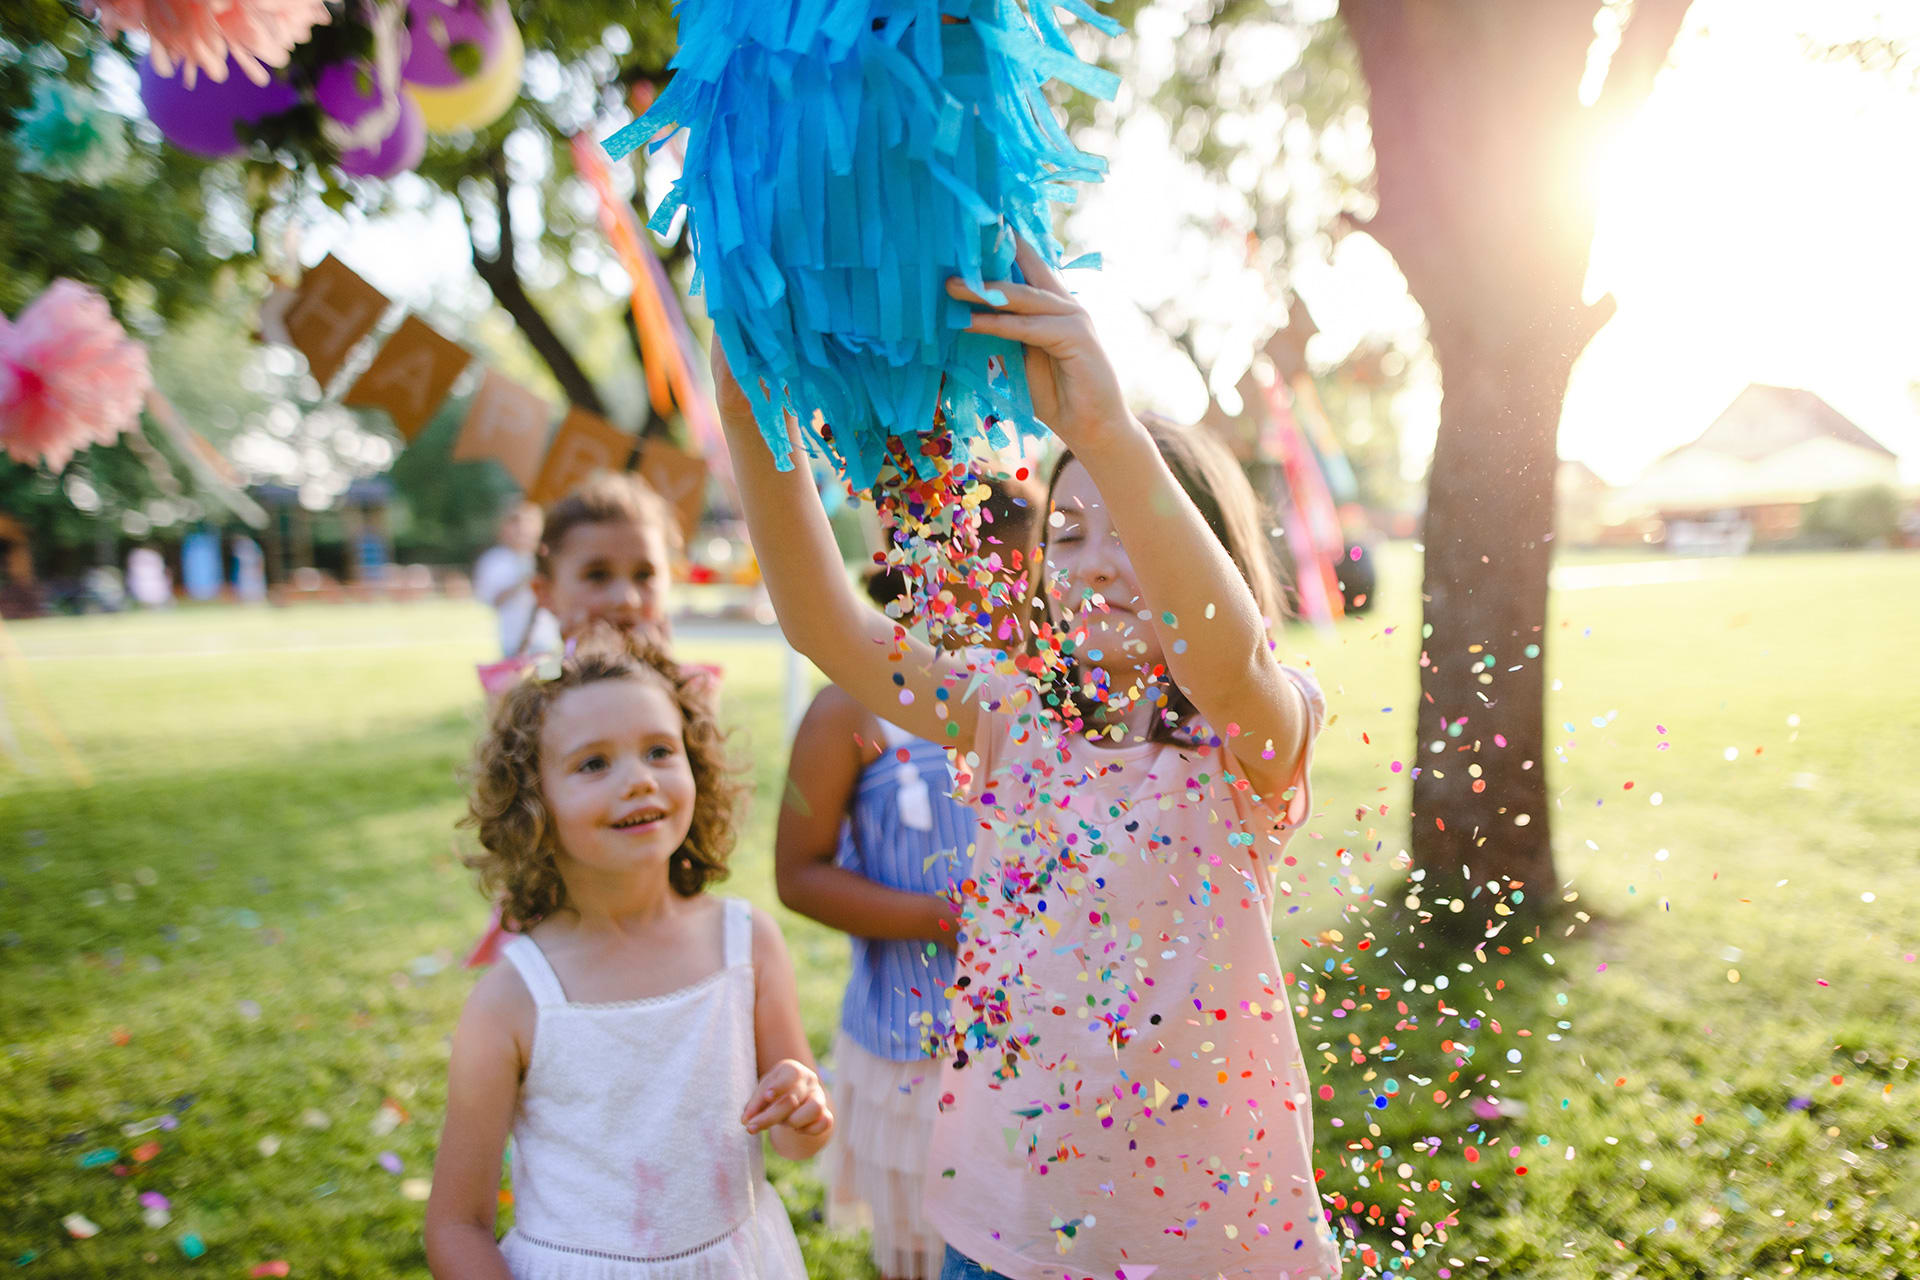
column 508, row 423
column 333, row 310
column 410, row 377
column 584, row 444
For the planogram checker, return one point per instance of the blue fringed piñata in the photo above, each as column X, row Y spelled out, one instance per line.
column 847, row 157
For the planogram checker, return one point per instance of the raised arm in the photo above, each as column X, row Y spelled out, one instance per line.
column 1189, row 583
column 828, row 757
column 860, row 649
column 1196, row 595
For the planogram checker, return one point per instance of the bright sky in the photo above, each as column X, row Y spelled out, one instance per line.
column 1761, row 224
column 1758, row 224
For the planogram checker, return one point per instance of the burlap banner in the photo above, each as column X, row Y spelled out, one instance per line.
column 584, row 444
column 410, row 377
column 508, row 423
column 680, row 478
column 331, row 311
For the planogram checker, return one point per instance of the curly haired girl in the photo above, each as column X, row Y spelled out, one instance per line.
column 643, row 1034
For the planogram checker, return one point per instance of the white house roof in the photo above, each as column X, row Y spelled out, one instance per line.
column 1771, row 445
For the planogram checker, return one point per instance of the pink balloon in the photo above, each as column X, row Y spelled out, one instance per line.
column 398, row 152
column 205, row 119
column 449, row 35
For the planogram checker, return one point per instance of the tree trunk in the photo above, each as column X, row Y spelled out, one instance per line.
column 1479, row 773
column 502, row 275
column 1481, row 150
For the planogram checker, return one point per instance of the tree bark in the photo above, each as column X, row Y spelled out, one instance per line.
column 1482, row 152
column 502, row 275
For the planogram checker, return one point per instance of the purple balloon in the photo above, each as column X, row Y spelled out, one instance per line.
column 397, row 152
column 351, row 91
column 447, row 35
column 205, row 118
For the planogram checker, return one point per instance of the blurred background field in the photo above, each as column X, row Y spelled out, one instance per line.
column 229, row 966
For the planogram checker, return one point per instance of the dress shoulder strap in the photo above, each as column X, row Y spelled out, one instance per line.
column 739, row 936
column 542, row 983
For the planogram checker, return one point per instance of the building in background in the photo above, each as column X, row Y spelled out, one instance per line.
column 1778, row 465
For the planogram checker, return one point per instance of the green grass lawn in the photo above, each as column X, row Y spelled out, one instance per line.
column 228, row 967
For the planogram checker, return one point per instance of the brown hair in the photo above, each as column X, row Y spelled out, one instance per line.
column 606, row 497
column 1210, row 476
column 505, row 805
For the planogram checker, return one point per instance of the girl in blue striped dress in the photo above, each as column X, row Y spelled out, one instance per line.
column 870, row 841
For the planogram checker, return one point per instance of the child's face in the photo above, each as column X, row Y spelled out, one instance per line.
column 521, row 530
column 1098, row 592
column 615, row 777
column 615, row 572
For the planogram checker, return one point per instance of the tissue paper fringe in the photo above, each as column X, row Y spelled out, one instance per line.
column 845, row 157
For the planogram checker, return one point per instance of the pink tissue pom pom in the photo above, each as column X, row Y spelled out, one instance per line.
column 197, row 35
column 69, row 376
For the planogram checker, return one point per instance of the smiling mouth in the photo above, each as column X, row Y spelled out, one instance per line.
column 644, row 818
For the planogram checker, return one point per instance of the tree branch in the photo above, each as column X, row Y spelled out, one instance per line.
column 1181, row 337
column 502, row 275
column 1644, row 47
column 1592, row 319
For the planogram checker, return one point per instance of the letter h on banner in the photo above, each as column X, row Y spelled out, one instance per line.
column 333, row 309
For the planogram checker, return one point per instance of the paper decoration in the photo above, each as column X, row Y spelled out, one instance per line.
column 674, row 364
column 680, row 478
column 68, row 136
column 410, row 377
column 206, row 116
column 1312, row 529
column 209, row 465
column 843, row 162
column 215, row 36
column 416, row 367
column 585, row 443
column 449, row 34
column 508, row 423
column 396, row 153
column 334, row 309
column 358, row 94
column 70, row 376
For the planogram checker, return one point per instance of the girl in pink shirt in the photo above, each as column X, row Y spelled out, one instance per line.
column 1126, row 1095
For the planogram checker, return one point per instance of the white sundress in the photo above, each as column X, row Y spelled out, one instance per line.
column 629, row 1158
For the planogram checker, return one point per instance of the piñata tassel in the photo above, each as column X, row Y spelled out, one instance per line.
column 844, row 159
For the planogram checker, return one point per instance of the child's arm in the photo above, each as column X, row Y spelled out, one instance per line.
column 1191, row 586
column 789, row 1100
column 821, row 778
column 483, row 1084
column 821, row 616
